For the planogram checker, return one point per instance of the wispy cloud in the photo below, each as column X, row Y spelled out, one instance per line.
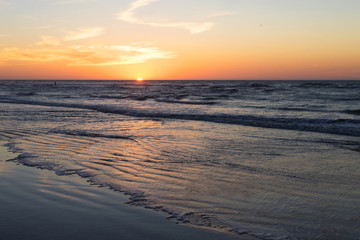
column 50, row 49
column 48, row 41
column 129, row 16
column 85, row 55
column 18, row 55
column 138, row 54
column 83, row 34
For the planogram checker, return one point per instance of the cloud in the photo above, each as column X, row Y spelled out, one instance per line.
column 129, row 16
column 138, row 54
column 85, row 55
column 192, row 27
column 48, row 41
column 12, row 55
column 83, row 34
column 51, row 49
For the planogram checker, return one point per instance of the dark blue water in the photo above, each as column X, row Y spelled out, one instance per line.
column 321, row 106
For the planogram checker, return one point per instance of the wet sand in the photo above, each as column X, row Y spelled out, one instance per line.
column 38, row 204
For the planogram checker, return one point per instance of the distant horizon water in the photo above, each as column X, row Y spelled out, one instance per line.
column 135, row 79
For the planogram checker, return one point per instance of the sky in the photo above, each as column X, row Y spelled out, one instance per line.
column 187, row 39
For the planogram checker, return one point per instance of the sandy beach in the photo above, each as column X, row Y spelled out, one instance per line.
column 38, row 204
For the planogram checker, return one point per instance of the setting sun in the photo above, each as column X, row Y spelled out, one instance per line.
column 139, row 79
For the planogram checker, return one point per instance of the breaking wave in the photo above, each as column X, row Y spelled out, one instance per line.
column 348, row 127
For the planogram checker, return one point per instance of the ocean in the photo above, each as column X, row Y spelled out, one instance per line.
column 268, row 159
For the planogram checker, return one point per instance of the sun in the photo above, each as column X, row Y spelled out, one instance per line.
column 139, row 79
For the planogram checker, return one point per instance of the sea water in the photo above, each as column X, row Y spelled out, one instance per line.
column 267, row 159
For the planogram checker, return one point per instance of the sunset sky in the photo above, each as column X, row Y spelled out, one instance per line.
column 172, row 39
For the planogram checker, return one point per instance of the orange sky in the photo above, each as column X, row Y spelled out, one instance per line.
column 168, row 39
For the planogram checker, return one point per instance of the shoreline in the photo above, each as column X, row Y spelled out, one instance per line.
column 38, row 204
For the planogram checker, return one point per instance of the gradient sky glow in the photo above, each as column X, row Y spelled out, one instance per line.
column 171, row 39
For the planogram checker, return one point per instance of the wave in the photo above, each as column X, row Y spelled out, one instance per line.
column 188, row 102
column 259, row 85
column 348, row 127
column 314, row 84
column 138, row 98
column 176, row 99
column 298, row 109
column 26, row 94
column 353, row 112
column 329, row 84
column 301, row 109
column 91, row 134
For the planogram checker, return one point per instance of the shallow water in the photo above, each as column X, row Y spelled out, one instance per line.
column 269, row 159
column 37, row 204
